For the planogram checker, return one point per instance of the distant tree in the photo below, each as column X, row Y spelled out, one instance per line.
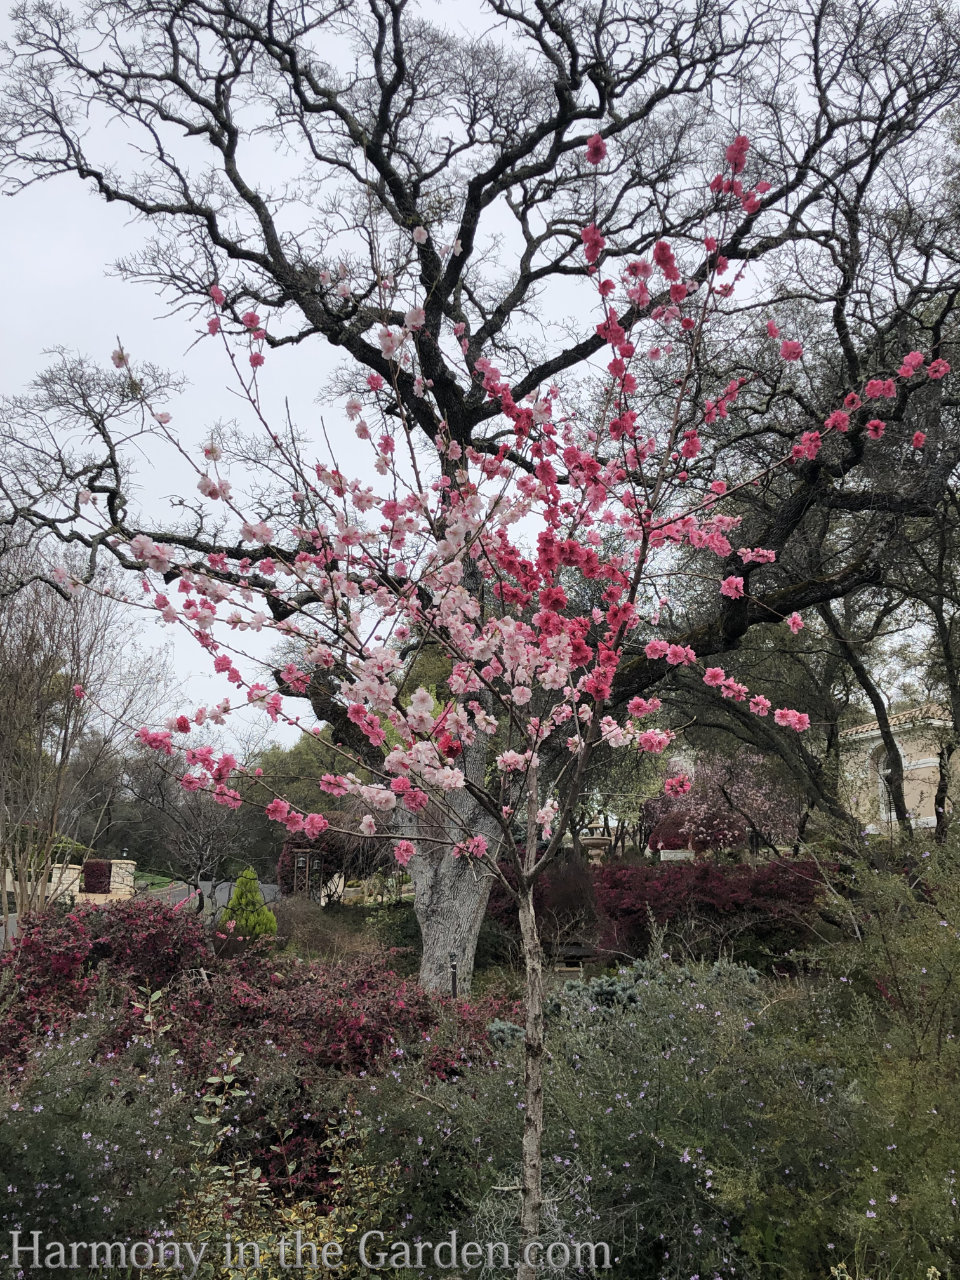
column 246, row 914
column 66, row 695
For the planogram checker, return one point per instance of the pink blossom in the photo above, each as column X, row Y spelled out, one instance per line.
column 642, row 706
column 368, row 825
column 937, row 369
column 759, row 705
column 251, row 320
column 808, row 447
column 415, row 318
column 256, row 359
column 714, row 676
column 677, row 786
column 656, row 649
column 790, row 719
column 389, row 341
column 718, row 486
column 880, row 389
column 795, row 622
column 511, row 761
column 596, row 149
column 919, row 440
column 403, row 851
column 732, row 587
column 680, row 655
column 79, row 691
column 736, row 153
column 876, row 428
column 217, row 294
column 790, row 350
column 837, row 421
column 772, row 330
column 420, row 235
column 593, row 242
column 213, row 324
column 277, row 810
column 314, row 824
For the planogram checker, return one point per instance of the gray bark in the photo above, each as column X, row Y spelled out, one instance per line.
column 450, row 898
column 533, row 1047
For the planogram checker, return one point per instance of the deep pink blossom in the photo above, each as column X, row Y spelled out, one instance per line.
column 938, row 369
column 789, row 719
column 732, row 587
column 919, row 439
column 596, row 149
column 790, row 350
column 593, row 242
column 217, row 294
column 677, row 786
column 736, row 153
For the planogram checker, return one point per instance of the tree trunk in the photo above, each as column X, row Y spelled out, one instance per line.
column 893, row 778
column 940, row 797
column 531, row 1159
column 532, row 1154
column 450, row 899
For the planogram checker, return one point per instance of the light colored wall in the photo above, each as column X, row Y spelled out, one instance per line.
column 919, row 747
column 66, row 879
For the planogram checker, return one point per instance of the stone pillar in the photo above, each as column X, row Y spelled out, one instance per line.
column 122, row 878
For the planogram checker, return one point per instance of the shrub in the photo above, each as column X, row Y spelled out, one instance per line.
column 700, row 831
column 330, row 933
column 96, row 875
column 755, row 912
column 51, row 971
column 246, row 914
column 566, row 909
column 99, row 1143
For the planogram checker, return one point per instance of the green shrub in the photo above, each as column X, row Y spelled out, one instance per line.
column 90, row 1136
column 246, row 915
column 703, row 1120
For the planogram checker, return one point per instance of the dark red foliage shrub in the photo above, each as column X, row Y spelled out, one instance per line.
column 146, row 938
column 687, row 829
column 96, row 875
column 51, row 970
column 295, row 1024
column 318, row 1020
column 771, row 904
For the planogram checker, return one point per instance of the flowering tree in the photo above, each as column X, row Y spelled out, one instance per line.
column 478, row 552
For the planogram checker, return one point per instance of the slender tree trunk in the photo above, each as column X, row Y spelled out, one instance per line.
column 531, row 1173
column 894, row 776
column 940, row 797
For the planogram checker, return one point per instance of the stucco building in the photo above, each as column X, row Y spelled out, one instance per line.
column 919, row 734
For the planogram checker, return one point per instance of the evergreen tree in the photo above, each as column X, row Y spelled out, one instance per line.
column 251, row 917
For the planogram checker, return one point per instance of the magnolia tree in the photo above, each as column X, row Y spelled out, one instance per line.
column 478, row 554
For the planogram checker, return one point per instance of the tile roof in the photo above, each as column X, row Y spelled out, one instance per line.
column 927, row 711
